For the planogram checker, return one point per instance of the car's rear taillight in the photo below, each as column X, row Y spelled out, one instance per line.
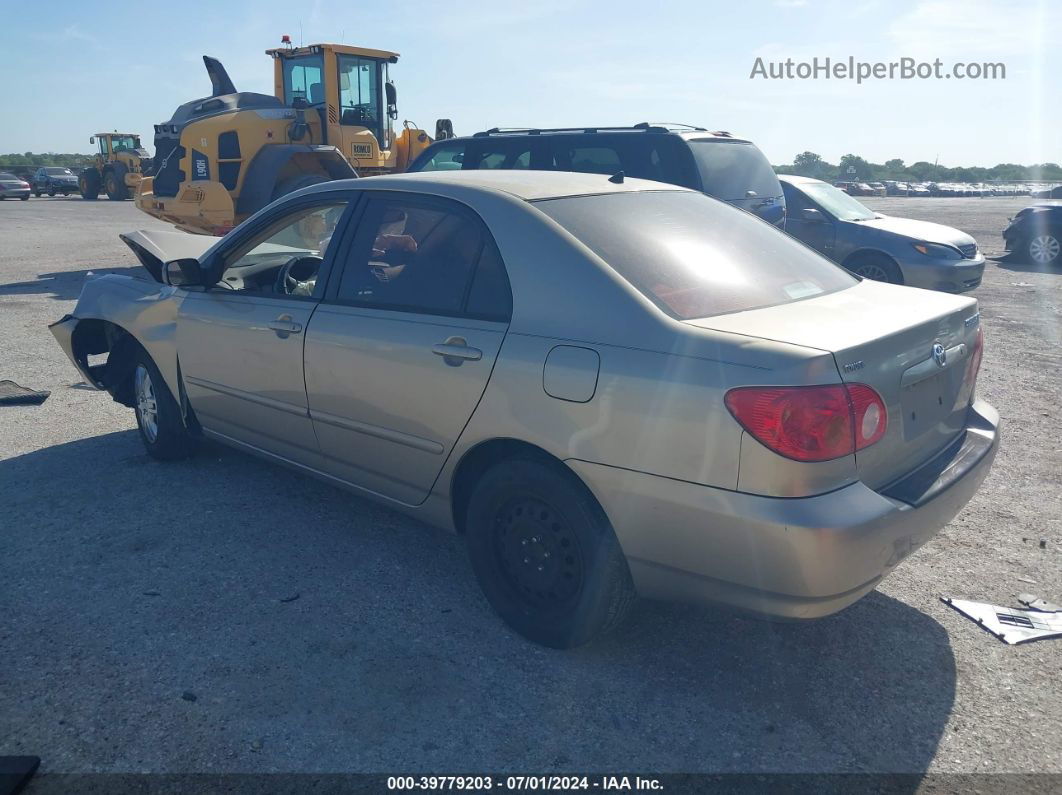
column 810, row 423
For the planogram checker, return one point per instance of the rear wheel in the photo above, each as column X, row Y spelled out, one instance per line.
column 51, row 191
column 158, row 417
column 37, row 193
column 24, row 198
column 545, row 554
column 1045, row 249
column 296, row 183
column 89, row 183
column 877, row 267
column 114, row 186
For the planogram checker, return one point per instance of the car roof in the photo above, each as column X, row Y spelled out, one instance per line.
column 794, row 179
column 523, row 184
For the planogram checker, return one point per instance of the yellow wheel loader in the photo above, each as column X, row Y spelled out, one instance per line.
column 120, row 164
column 222, row 158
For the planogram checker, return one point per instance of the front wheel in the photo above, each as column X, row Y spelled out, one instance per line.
column 1044, row 249
column 545, row 554
column 876, row 267
column 115, row 188
column 158, row 417
column 51, row 191
column 24, row 198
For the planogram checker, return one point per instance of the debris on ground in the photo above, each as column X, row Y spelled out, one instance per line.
column 188, row 695
column 291, row 598
column 11, row 394
column 1012, row 625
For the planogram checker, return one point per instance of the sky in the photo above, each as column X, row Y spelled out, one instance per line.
column 491, row 63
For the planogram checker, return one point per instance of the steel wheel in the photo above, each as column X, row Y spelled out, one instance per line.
column 146, row 406
column 538, row 553
column 1044, row 249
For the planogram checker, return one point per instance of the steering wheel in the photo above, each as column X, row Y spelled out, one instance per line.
column 298, row 275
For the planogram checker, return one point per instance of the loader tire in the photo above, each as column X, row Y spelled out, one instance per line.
column 115, row 187
column 89, row 183
column 293, row 184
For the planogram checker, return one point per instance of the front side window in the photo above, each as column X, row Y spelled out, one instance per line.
column 693, row 256
column 733, row 170
column 359, row 93
column 284, row 259
column 304, row 79
column 419, row 257
column 514, row 153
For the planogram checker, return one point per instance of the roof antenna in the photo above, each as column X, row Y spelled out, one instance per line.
column 617, row 178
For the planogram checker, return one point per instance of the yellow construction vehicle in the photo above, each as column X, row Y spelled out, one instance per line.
column 118, row 167
column 224, row 157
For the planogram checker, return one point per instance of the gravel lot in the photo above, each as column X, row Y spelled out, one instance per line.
column 149, row 622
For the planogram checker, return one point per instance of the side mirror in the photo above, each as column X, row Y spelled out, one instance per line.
column 92, row 139
column 444, row 128
column 183, row 273
column 813, row 215
column 392, row 99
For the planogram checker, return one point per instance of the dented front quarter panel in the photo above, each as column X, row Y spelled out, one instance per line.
column 144, row 309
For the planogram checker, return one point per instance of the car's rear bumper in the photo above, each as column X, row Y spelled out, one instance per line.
column 949, row 276
column 14, row 193
column 795, row 558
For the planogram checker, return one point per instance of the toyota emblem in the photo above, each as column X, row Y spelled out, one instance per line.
column 940, row 356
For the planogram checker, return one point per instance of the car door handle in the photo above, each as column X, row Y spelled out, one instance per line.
column 456, row 350
column 284, row 325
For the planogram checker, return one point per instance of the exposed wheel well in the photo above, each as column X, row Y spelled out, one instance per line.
column 481, row 458
column 93, row 337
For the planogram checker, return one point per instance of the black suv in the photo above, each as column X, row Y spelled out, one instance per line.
column 716, row 163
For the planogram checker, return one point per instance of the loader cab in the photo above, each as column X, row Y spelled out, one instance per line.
column 115, row 143
column 350, row 101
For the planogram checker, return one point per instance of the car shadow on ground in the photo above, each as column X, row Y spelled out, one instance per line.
column 65, row 285
column 1013, row 262
column 326, row 633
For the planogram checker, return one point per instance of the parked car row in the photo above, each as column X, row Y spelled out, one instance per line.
column 51, row 180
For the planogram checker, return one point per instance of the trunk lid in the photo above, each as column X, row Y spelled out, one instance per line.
column 885, row 336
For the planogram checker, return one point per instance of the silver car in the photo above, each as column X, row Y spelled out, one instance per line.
column 610, row 387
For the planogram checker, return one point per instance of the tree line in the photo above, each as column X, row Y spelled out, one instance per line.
column 853, row 167
column 31, row 160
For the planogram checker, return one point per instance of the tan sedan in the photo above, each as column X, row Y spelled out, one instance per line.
column 610, row 387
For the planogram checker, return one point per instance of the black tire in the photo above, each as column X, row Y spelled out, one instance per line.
column 877, row 267
column 162, row 431
column 37, row 193
column 293, row 184
column 89, row 183
column 51, row 191
column 24, row 198
column 545, row 554
column 1044, row 247
column 115, row 186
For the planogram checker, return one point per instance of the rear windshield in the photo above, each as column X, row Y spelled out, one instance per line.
column 694, row 256
column 8, row 177
column 57, row 171
column 731, row 169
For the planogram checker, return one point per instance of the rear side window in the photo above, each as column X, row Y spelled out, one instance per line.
column 425, row 257
column 658, row 157
column 693, row 256
column 732, row 170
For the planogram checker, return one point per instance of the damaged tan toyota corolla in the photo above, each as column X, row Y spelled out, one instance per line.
column 608, row 386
